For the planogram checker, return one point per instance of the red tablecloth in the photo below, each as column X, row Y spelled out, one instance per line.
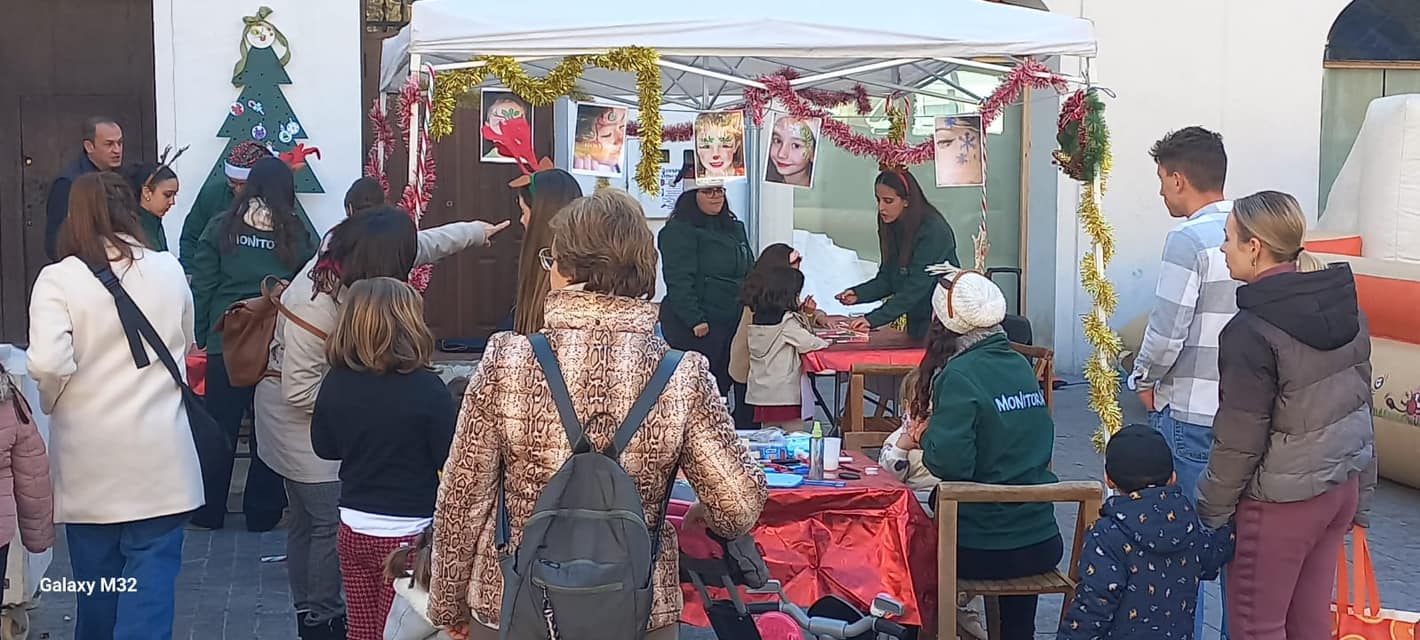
column 884, row 346
column 867, row 538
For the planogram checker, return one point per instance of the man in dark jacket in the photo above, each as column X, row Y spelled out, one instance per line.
column 1140, row 568
column 103, row 151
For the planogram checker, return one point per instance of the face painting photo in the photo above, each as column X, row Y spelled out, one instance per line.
column 719, row 145
column 793, row 143
column 957, row 144
column 599, row 146
column 500, row 107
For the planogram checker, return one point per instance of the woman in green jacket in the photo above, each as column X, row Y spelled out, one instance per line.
column 262, row 234
column 986, row 422
column 156, row 188
column 706, row 255
column 912, row 235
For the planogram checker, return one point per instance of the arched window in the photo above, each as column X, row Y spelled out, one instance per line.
column 1372, row 51
column 1376, row 31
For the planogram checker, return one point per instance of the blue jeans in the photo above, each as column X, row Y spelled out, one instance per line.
column 1190, row 444
column 133, row 567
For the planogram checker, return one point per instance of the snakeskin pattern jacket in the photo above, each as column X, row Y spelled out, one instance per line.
column 607, row 349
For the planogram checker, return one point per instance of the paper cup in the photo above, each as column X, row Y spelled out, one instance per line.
column 831, row 449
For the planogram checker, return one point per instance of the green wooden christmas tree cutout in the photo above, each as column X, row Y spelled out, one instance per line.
column 261, row 112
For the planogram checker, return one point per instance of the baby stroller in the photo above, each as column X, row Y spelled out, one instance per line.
column 707, row 560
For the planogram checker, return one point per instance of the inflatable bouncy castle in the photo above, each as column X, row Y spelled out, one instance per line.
column 1372, row 221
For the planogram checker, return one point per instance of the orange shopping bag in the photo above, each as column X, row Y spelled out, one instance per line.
column 1358, row 615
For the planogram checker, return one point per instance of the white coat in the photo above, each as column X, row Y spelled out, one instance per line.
column 120, row 446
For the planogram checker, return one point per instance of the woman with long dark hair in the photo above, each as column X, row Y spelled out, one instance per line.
column 263, row 234
column 540, row 196
column 125, row 468
column 155, row 188
column 986, row 421
column 376, row 242
column 912, row 235
column 707, row 257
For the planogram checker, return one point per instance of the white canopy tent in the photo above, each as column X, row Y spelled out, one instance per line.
column 707, row 62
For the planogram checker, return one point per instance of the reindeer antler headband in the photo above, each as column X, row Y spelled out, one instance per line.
column 165, row 161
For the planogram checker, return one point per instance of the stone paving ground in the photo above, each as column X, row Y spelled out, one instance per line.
column 225, row 591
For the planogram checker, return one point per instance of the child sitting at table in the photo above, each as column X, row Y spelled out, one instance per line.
column 778, row 336
column 906, row 465
column 1141, row 566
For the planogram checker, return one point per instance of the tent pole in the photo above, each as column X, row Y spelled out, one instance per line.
column 862, row 68
column 753, row 172
column 415, row 156
column 709, row 74
column 1000, row 68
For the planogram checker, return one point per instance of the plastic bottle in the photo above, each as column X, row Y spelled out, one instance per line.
column 816, row 452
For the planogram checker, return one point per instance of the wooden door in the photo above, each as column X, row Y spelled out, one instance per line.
column 472, row 293
column 73, row 59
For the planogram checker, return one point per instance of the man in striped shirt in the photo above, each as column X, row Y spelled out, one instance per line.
column 1176, row 372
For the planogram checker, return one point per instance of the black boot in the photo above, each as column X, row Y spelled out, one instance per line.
column 332, row 629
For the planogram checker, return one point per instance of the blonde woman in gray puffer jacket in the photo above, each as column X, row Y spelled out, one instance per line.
column 1293, row 460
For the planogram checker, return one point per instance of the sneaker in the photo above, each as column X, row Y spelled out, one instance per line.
column 969, row 625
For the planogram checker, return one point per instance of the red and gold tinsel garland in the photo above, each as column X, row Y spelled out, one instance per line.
column 756, row 101
column 383, row 145
column 887, row 151
column 420, row 190
column 682, row 132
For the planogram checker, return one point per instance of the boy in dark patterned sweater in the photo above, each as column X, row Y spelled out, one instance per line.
column 1141, row 566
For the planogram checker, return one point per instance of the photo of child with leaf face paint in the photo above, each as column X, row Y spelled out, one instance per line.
column 600, row 142
column 792, row 146
column 719, row 145
column 957, row 144
column 500, row 107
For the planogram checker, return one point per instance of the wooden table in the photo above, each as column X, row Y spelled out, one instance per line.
column 885, row 347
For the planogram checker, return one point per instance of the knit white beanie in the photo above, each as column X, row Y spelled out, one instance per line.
column 966, row 300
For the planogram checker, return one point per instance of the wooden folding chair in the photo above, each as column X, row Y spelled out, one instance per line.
column 853, row 415
column 1043, row 360
column 1087, row 494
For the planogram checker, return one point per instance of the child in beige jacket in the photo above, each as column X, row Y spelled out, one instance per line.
column 779, row 335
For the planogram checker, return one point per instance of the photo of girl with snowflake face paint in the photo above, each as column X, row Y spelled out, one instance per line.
column 719, row 145
column 957, row 144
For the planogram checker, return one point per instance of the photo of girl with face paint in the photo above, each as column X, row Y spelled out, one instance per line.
column 719, row 145
column 499, row 107
column 599, row 146
column 792, row 146
column 957, row 144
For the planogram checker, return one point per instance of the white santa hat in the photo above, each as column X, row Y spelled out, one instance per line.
column 236, row 173
column 966, row 300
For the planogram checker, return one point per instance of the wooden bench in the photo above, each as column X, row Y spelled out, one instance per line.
column 1087, row 494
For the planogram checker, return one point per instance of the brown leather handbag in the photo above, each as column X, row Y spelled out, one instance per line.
column 247, row 330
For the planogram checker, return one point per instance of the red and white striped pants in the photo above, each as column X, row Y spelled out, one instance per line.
column 368, row 594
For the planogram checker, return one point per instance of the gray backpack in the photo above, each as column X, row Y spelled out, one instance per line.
column 583, row 569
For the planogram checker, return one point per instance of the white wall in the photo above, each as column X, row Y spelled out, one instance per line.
column 1249, row 70
column 195, row 50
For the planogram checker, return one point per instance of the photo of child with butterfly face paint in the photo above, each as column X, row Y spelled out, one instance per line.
column 792, row 146
column 957, row 141
column 600, row 142
column 500, row 107
column 719, row 145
